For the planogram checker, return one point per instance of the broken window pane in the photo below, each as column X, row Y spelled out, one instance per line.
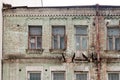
column 113, row 76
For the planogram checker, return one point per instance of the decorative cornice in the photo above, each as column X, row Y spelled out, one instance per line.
column 69, row 11
column 112, row 17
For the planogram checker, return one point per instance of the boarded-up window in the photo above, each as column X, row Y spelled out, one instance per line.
column 81, row 76
column 81, row 37
column 35, row 37
column 58, row 75
column 34, row 76
column 113, row 76
column 58, row 37
column 113, row 38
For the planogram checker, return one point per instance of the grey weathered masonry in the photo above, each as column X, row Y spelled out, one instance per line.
column 75, row 43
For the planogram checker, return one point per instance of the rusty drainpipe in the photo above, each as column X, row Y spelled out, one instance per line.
column 97, row 41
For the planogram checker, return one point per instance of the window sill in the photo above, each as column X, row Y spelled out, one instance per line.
column 59, row 51
column 111, row 51
column 34, row 51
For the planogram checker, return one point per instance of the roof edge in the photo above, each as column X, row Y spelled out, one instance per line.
column 9, row 6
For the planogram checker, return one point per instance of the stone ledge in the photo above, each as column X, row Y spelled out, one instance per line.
column 34, row 51
column 57, row 51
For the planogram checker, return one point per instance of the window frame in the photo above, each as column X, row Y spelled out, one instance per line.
column 113, row 38
column 35, row 37
column 81, row 36
column 52, row 75
column 113, row 72
column 81, row 72
column 28, row 74
column 58, row 38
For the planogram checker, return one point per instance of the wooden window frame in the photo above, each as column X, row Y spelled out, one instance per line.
column 81, row 37
column 113, row 38
column 58, row 39
column 35, row 36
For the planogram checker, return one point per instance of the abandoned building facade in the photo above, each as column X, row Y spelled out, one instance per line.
column 61, row 43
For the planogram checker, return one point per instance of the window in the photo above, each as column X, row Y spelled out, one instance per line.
column 113, row 38
column 58, row 75
column 58, row 37
column 114, row 76
column 34, row 76
column 81, row 37
column 35, row 37
column 81, row 76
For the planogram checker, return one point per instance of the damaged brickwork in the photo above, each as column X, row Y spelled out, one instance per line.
column 92, row 55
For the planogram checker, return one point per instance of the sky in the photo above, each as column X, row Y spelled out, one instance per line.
column 60, row 2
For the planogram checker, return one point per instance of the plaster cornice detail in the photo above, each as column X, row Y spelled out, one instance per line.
column 48, row 12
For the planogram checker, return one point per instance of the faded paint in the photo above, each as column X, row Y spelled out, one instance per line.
column 17, row 59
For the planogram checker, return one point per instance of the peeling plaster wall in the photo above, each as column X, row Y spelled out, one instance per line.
column 16, row 22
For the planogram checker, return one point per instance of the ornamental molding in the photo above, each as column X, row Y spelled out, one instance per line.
column 112, row 17
column 81, row 18
column 48, row 12
column 58, row 18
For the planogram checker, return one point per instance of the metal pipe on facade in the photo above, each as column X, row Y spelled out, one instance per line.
column 97, row 41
